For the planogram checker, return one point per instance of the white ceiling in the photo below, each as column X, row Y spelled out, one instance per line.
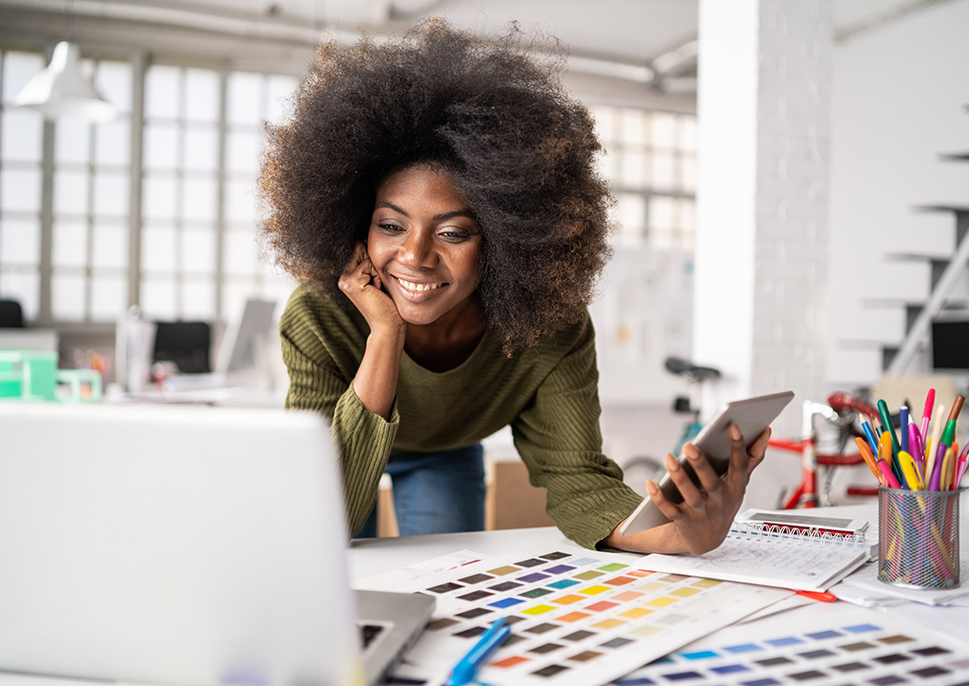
column 630, row 30
column 633, row 31
column 626, row 30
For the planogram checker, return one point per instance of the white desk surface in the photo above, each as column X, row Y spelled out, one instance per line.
column 368, row 557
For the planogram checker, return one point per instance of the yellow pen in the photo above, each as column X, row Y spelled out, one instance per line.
column 945, row 477
column 911, row 471
column 928, row 465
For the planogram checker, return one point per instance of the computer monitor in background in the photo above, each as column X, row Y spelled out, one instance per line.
column 243, row 350
column 244, row 358
column 950, row 344
column 184, row 343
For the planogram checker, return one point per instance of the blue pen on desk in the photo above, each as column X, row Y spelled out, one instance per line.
column 903, row 416
column 466, row 670
column 870, row 435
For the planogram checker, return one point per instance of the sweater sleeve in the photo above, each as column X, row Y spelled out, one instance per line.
column 313, row 354
column 558, row 438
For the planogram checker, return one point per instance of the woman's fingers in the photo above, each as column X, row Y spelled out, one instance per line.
column 358, row 256
column 738, row 453
column 358, row 273
column 709, row 478
column 691, row 495
column 759, row 449
column 669, row 510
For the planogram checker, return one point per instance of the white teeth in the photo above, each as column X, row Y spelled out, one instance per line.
column 419, row 287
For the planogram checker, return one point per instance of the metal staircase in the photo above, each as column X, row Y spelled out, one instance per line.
column 944, row 273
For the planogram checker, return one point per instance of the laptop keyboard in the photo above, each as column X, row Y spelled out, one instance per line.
column 368, row 632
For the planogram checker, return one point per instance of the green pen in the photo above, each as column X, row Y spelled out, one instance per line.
column 949, row 432
column 888, row 426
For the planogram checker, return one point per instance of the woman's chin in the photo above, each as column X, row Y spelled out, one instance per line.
column 417, row 316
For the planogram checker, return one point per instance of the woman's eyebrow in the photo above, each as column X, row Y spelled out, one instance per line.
column 454, row 213
column 465, row 212
column 390, row 205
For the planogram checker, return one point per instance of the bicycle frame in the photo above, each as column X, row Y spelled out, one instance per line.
column 806, row 495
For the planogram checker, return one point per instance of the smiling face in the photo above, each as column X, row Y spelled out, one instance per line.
column 425, row 244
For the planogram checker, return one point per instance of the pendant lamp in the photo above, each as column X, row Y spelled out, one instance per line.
column 60, row 90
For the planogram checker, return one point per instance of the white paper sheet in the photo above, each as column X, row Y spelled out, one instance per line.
column 864, row 584
column 782, row 562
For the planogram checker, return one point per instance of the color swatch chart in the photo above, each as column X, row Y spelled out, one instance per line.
column 819, row 645
column 577, row 618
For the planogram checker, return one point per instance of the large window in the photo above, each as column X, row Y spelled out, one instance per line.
column 650, row 161
column 198, row 229
column 252, row 99
column 180, row 222
column 91, row 206
column 200, row 256
column 21, row 153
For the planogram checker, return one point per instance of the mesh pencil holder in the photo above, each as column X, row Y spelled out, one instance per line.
column 918, row 538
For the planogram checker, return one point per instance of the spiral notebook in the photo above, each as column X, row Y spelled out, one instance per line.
column 757, row 554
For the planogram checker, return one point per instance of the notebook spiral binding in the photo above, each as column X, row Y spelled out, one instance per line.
column 760, row 531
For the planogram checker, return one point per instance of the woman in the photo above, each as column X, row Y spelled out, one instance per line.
column 438, row 200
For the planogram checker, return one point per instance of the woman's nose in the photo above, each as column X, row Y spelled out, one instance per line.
column 417, row 250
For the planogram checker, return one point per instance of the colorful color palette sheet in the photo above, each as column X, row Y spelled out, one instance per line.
column 577, row 617
column 820, row 645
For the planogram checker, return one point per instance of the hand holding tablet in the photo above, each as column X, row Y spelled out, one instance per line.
column 752, row 417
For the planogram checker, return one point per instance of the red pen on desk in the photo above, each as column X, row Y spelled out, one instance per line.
column 823, row 597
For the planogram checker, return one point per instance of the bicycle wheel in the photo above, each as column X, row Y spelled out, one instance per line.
column 638, row 469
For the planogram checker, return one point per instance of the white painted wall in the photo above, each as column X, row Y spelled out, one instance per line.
column 642, row 316
column 899, row 97
column 762, row 198
column 726, row 234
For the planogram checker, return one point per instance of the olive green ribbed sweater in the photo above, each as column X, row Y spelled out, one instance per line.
column 547, row 393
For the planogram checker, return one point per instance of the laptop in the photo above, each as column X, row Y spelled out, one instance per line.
column 183, row 545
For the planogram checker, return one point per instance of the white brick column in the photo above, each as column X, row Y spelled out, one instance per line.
column 762, row 198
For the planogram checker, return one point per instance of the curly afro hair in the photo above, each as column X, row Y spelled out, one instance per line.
column 518, row 148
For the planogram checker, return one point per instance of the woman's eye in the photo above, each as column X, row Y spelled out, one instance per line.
column 391, row 228
column 455, row 235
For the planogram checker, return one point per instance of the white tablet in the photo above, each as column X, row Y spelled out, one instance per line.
column 753, row 416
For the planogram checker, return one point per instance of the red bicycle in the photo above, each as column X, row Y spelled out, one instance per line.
column 844, row 411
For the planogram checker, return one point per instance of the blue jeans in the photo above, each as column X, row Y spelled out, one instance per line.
column 435, row 493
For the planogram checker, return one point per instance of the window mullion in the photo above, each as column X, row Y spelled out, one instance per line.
column 89, row 218
column 139, row 64
column 220, row 227
column 45, row 315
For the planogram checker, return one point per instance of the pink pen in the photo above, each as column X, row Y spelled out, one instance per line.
column 915, row 443
column 887, row 473
column 927, row 415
